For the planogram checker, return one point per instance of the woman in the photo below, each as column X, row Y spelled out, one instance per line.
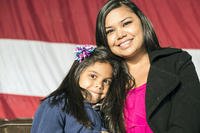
column 166, row 96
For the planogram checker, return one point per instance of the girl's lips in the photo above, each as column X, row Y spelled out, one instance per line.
column 95, row 96
column 95, row 93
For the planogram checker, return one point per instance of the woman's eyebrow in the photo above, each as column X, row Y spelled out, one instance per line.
column 120, row 21
column 125, row 19
column 108, row 27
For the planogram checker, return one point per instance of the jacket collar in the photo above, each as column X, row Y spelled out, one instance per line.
column 160, row 83
column 162, row 52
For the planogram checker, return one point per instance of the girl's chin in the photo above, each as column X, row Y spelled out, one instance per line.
column 94, row 102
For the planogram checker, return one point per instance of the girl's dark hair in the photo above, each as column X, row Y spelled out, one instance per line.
column 150, row 39
column 112, row 106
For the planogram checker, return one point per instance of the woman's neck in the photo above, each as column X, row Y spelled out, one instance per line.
column 139, row 67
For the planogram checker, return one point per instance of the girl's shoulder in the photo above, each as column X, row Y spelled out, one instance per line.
column 51, row 109
column 48, row 117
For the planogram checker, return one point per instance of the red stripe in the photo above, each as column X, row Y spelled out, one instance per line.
column 54, row 21
column 18, row 106
column 176, row 24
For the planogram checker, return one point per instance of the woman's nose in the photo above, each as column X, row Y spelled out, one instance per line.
column 120, row 33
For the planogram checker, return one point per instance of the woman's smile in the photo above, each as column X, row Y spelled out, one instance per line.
column 125, row 44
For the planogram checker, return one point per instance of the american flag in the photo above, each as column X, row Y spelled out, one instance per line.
column 38, row 37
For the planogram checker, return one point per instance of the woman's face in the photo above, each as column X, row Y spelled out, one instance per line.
column 96, row 79
column 124, row 32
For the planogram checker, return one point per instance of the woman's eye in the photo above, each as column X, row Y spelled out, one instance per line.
column 127, row 23
column 109, row 31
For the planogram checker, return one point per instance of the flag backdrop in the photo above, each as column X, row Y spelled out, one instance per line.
column 37, row 39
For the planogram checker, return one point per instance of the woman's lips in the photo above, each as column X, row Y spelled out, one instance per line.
column 125, row 44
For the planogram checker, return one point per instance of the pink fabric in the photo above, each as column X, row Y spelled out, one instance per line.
column 134, row 111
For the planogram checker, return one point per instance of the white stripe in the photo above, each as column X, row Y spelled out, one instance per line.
column 32, row 67
column 195, row 53
column 37, row 68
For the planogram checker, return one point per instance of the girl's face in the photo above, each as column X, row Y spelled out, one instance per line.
column 124, row 32
column 96, row 79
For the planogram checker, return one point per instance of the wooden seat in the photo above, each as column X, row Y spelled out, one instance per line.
column 15, row 126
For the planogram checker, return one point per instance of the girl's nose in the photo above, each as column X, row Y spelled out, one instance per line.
column 99, row 86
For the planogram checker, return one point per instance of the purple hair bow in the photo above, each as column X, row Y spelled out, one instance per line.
column 83, row 52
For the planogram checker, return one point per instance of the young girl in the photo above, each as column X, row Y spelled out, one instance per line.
column 91, row 88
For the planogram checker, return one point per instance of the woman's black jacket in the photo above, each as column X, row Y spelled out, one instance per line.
column 173, row 93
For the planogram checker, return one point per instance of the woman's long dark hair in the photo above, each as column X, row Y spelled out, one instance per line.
column 112, row 107
column 150, row 39
column 114, row 102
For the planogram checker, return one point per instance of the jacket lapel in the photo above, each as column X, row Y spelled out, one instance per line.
column 160, row 83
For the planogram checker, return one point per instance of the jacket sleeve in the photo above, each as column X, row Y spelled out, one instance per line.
column 185, row 114
column 51, row 119
column 47, row 119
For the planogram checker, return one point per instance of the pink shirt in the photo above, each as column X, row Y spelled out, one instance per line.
column 134, row 111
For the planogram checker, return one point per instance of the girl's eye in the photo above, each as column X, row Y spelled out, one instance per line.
column 92, row 76
column 107, row 82
column 127, row 23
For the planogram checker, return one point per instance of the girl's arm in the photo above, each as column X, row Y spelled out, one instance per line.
column 51, row 119
column 47, row 119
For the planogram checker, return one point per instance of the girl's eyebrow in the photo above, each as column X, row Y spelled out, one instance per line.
column 109, row 78
column 120, row 21
column 92, row 71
